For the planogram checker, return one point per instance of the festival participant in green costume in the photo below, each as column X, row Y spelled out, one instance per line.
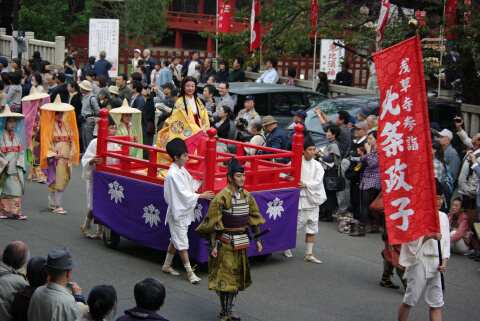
column 129, row 123
column 232, row 212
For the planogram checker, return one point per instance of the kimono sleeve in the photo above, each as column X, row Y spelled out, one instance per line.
column 315, row 189
column 90, row 153
column 213, row 220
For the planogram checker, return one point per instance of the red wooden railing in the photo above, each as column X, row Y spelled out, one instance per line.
column 261, row 173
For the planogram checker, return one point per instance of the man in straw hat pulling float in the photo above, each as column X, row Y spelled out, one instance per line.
column 31, row 109
column 129, row 123
column 12, row 164
column 59, row 149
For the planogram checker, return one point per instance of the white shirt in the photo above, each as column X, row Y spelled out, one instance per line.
column 180, row 194
column 415, row 252
column 191, row 104
column 191, row 67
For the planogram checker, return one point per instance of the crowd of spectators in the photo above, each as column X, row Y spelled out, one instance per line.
column 40, row 288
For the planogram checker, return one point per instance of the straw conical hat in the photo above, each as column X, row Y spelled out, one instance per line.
column 57, row 105
column 8, row 113
column 35, row 95
column 125, row 109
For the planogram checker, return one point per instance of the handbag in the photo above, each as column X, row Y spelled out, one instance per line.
column 333, row 181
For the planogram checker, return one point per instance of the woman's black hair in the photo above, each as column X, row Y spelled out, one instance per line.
column 41, row 68
column 373, row 133
column 38, row 78
column 14, row 78
column 292, row 72
column 182, row 92
column 100, row 300
column 439, row 151
column 225, row 63
column 228, row 111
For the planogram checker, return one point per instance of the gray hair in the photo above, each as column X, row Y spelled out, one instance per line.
column 373, row 118
column 104, row 91
column 103, row 54
column 210, row 60
column 257, row 124
column 147, row 50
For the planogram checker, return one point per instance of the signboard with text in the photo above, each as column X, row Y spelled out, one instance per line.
column 331, row 57
column 104, row 36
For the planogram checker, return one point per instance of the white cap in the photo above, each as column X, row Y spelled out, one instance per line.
column 446, row 133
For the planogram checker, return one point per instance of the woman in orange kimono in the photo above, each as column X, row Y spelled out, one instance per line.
column 59, row 149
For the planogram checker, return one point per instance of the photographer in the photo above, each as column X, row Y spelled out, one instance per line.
column 467, row 180
column 245, row 117
column 163, row 103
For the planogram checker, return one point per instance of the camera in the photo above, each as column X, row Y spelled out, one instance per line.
column 243, row 123
column 162, row 107
column 458, row 120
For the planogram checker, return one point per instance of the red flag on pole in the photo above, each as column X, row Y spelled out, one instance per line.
column 314, row 8
column 404, row 145
column 451, row 15
column 255, row 26
column 224, row 16
column 382, row 21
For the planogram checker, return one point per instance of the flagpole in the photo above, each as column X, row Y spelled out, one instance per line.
column 441, row 54
column 314, row 58
column 216, row 40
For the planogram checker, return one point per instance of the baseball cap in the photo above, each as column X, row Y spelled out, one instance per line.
column 300, row 113
column 446, row 133
column 361, row 125
column 250, row 97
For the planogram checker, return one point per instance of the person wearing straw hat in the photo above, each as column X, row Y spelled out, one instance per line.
column 90, row 110
column 59, row 149
column 12, row 164
column 129, row 123
column 89, row 161
column 31, row 109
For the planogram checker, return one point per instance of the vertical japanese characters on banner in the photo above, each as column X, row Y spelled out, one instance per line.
column 224, row 16
column 314, row 9
column 404, row 144
column 331, row 57
column 103, row 35
column 382, row 21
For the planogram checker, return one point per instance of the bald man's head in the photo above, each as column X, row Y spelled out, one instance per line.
column 16, row 254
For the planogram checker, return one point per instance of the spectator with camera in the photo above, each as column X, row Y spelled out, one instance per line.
column 245, row 118
column 467, row 180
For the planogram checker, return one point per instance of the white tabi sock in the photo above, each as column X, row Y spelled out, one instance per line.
column 168, row 260
column 87, row 222
column 309, row 248
column 188, row 267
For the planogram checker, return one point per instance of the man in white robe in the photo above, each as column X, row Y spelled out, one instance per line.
column 89, row 161
column 180, row 195
column 421, row 258
column 312, row 196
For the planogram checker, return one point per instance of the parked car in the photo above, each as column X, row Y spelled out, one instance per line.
column 270, row 99
column 439, row 110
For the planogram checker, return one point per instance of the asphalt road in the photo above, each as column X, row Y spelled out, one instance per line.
column 344, row 287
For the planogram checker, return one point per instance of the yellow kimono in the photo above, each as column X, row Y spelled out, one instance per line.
column 62, row 143
column 181, row 124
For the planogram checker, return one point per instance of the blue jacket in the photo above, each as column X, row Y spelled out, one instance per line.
column 102, row 67
column 164, row 77
column 277, row 139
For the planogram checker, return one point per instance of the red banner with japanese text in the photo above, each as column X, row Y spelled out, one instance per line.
column 382, row 21
column 404, row 144
column 255, row 26
column 314, row 8
column 224, row 16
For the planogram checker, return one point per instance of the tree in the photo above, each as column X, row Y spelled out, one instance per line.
column 50, row 18
column 288, row 30
column 140, row 21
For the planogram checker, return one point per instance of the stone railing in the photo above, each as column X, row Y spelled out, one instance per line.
column 471, row 117
column 54, row 52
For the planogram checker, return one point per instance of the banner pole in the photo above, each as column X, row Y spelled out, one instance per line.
column 440, row 259
column 314, row 60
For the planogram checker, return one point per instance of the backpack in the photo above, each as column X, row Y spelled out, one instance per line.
column 447, row 184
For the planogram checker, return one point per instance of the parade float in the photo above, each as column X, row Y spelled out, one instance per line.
column 128, row 196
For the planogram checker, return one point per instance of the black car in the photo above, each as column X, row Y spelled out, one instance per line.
column 439, row 110
column 270, row 99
